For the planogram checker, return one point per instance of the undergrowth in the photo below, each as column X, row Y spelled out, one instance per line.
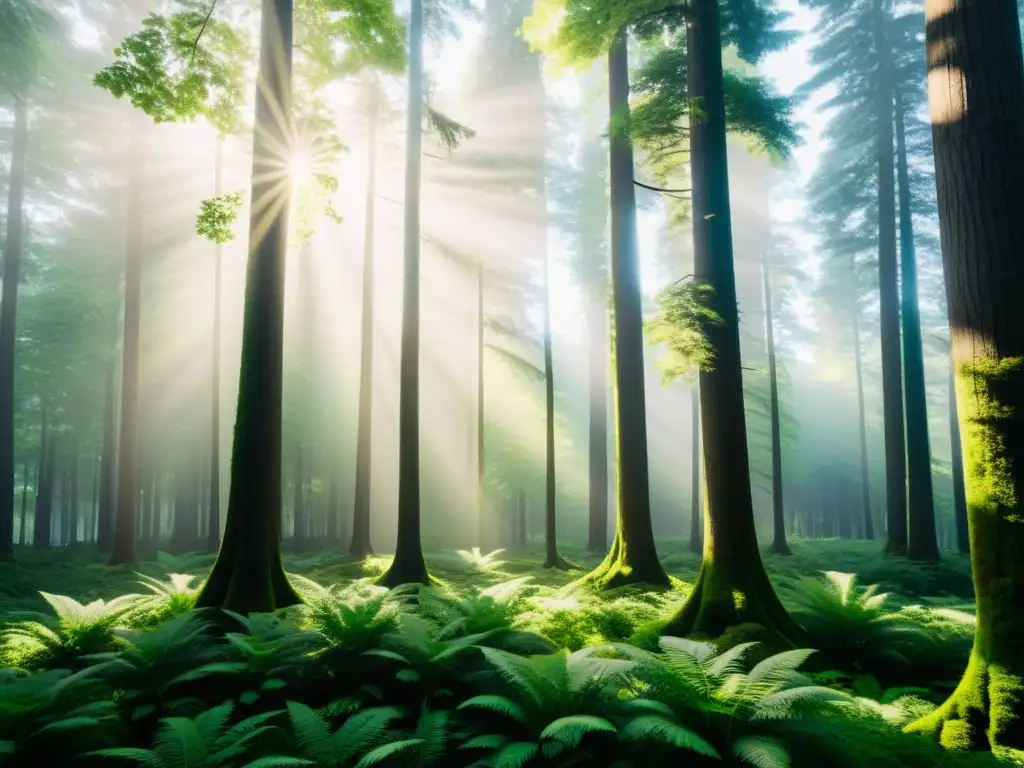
column 516, row 671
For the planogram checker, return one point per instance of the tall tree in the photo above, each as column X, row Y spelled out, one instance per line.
column 976, row 99
column 696, row 475
column 124, row 549
column 361, row 545
column 408, row 565
column 779, row 545
column 963, row 540
column 248, row 574
column 922, row 543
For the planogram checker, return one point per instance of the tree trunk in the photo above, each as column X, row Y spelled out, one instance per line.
column 124, row 544
column 922, row 544
column 865, row 482
column 632, row 557
column 24, row 504
column 108, row 454
column 732, row 561
column 158, row 509
column 552, row 558
column 976, row 96
column 41, row 535
column 956, row 461
column 779, row 544
column 696, row 476
column 300, row 518
column 361, row 545
column 8, row 322
column 597, row 350
column 73, row 491
column 523, row 538
column 248, row 575
column 408, row 566
column 889, row 300
column 213, row 534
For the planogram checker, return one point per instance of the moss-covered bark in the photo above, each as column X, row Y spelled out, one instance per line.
column 248, row 575
column 408, row 566
column 633, row 557
column 976, row 95
column 696, row 476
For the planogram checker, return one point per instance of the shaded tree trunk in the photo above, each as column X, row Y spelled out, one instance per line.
column 732, row 562
column 44, row 488
column 300, row 518
column 361, row 545
column 248, row 575
column 24, row 503
column 696, row 476
column 963, row 541
column 865, row 482
column 779, row 544
column 8, row 322
column 408, row 566
column 632, row 557
column 976, row 96
column 889, row 300
column 922, row 544
column 124, row 541
column 597, row 441
column 108, row 455
column 73, row 490
column 213, row 534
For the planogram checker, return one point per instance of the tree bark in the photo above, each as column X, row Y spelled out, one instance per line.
column 8, row 322
column 865, row 481
column 24, row 503
column 696, row 476
column 956, row 461
column 779, row 544
column 976, row 97
column 248, row 575
column 44, row 487
column 597, row 351
column 408, row 566
column 361, row 545
column 889, row 300
column 73, row 490
column 632, row 557
column 124, row 543
column 552, row 558
column 213, row 534
column 108, row 453
column 732, row 561
column 922, row 544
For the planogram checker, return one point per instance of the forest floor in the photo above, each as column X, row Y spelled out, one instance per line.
column 82, row 573
column 495, row 658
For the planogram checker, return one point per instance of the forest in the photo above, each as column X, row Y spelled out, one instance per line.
column 511, row 383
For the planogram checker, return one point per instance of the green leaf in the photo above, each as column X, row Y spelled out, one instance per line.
column 249, row 697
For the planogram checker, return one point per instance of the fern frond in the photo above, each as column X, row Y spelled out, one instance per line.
column 571, row 730
column 761, row 752
column 660, row 728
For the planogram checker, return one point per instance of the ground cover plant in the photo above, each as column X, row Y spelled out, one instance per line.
column 486, row 668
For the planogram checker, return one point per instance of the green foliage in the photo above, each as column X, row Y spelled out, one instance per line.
column 449, row 132
column 681, row 325
column 35, row 640
column 217, row 215
column 180, row 66
column 28, row 33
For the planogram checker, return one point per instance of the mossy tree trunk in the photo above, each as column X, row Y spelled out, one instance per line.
column 922, row 544
column 732, row 587
column 963, row 539
column 8, row 322
column 248, row 575
column 696, row 476
column 124, row 542
column 360, row 544
column 409, row 566
column 597, row 384
column 976, row 97
column 888, row 298
column 632, row 557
